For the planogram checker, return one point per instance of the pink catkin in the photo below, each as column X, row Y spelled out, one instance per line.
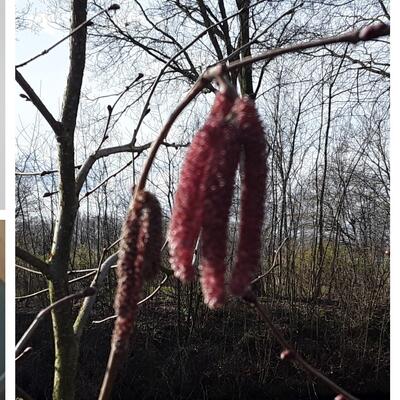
column 154, row 241
column 219, row 191
column 254, row 175
column 186, row 218
column 131, row 262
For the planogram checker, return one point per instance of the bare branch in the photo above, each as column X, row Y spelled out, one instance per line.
column 274, row 263
column 37, row 102
column 80, row 278
column 40, row 173
column 39, row 264
column 367, row 33
column 97, row 281
column 79, row 27
column 147, row 298
column 20, row 347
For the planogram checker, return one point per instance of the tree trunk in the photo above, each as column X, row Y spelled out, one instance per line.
column 66, row 344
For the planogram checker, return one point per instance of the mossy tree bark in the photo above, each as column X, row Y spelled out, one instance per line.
column 65, row 343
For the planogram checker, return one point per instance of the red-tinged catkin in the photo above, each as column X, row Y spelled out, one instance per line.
column 130, row 266
column 254, row 175
column 154, row 242
column 187, row 214
column 219, row 190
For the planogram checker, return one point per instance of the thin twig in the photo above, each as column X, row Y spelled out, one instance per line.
column 364, row 34
column 23, row 354
column 36, row 262
column 150, row 296
column 40, row 173
column 32, row 271
column 28, row 296
column 289, row 352
column 274, row 263
column 83, row 24
column 113, row 175
column 354, row 37
column 20, row 347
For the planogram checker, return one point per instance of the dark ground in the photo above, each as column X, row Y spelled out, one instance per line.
column 218, row 355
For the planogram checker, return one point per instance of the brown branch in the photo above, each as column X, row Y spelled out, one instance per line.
column 130, row 147
column 367, row 33
column 174, row 57
column 384, row 9
column 238, row 51
column 32, row 260
column 289, row 352
column 20, row 347
column 79, row 27
column 37, row 102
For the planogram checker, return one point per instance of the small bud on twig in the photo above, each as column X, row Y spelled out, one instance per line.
column 114, row 7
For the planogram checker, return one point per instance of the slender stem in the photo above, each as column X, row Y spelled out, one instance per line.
column 147, row 298
column 114, row 363
column 46, row 51
column 369, row 32
column 354, row 37
column 290, row 352
column 274, row 263
column 20, row 347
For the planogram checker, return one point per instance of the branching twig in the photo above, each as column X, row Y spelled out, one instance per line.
column 289, row 352
column 20, row 347
column 39, row 264
column 364, row 34
column 147, row 298
column 32, row 271
column 274, row 263
column 47, row 115
column 28, row 296
column 79, row 27
column 369, row 32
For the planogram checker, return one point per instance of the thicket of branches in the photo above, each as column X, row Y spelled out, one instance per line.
column 326, row 115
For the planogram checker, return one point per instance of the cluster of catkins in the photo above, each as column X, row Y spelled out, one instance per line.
column 139, row 259
column 231, row 135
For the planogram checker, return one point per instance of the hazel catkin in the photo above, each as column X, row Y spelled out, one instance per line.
column 187, row 214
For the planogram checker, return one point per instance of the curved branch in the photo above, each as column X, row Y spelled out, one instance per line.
column 88, row 303
column 32, row 260
column 147, row 298
column 20, row 347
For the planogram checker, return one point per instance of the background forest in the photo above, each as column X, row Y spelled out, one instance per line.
column 325, row 249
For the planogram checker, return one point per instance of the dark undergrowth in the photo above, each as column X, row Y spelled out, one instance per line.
column 228, row 354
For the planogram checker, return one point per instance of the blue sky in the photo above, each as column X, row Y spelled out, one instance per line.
column 47, row 74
